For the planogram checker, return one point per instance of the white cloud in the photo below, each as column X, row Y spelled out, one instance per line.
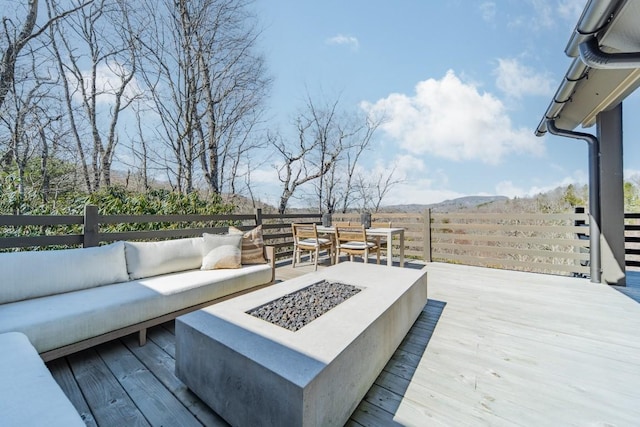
column 631, row 174
column 404, row 165
column 509, row 189
column 488, row 11
column 420, row 191
column 571, row 9
column 416, row 183
column 108, row 81
column 451, row 119
column 537, row 16
column 544, row 14
column 517, row 80
column 340, row 39
column 265, row 176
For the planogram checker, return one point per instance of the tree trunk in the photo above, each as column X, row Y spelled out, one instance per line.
column 10, row 56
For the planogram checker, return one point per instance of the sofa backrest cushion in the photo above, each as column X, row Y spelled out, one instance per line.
column 146, row 259
column 36, row 274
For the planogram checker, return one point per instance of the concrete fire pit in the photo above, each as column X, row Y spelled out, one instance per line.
column 253, row 372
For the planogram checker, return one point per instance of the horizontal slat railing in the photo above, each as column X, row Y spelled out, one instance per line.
column 545, row 243
column 24, row 220
column 531, row 242
column 39, row 241
column 33, row 231
column 145, row 219
column 92, row 229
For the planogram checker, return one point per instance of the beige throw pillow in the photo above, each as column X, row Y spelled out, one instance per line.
column 252, row 245
column 221, row 251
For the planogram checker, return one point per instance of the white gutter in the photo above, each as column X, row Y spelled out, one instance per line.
column 595, row 17
column 577, row 71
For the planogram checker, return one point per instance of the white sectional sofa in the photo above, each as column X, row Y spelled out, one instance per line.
column 53, row 303
column 68, row 300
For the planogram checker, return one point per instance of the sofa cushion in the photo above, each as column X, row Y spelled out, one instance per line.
column 146, row 259
column 35, row 274
column 28, row 393
column 59, row 320
column 214, row 241
column 252, row 245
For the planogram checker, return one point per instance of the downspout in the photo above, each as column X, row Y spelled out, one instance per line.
column 594, row 57
column 594, row 194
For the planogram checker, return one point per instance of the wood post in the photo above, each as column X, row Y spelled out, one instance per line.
column 91, row 233
column 426, row 235
column 142, row 336
column 258, row 216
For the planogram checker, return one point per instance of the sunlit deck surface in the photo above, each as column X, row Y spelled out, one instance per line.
column 492, row 347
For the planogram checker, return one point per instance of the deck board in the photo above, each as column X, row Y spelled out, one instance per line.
column 491, row 347
column 65, row 378
column 162, row 365
column 107, row 399
column 159, row 405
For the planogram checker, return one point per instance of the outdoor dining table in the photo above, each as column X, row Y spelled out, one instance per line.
column 377, row 232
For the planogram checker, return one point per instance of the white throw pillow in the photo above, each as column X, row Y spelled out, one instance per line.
column 225, row 256
column 146, row 259
column 230, row 254
column 33, row 274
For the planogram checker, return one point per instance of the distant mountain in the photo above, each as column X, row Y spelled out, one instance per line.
column 468, row 202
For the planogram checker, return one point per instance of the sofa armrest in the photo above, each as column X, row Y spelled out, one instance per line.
column 270, row 256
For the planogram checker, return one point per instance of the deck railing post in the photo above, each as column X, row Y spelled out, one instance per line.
column 91, row 231
column 258, row 216
column 426, row 234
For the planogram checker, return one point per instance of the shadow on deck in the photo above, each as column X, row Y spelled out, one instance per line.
column 632, row 290
column 490, row 347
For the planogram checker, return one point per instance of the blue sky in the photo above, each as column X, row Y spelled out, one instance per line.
column 463, row 85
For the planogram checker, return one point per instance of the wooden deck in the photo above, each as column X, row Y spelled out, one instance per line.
column 491, row 347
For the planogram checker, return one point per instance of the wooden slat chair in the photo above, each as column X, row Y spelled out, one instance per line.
column 353, row 241
column 341, row 224
column 305, row 238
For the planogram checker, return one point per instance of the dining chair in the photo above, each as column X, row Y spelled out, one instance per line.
column 341, row 224
column 352, row 240
column 380, row 240
column 305, row 238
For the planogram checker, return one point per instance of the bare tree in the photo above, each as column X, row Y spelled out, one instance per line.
column 206, row 85
column 28, row 115
column 16, row 37
column 96, row 61
column 361, row 142
column 325, row 154
column 374, row 188
column 318, row 145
